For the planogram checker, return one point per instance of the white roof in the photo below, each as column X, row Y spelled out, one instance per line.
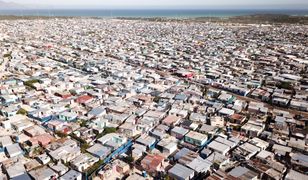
column 219, row 147
column 200, row 165
column 226, row 111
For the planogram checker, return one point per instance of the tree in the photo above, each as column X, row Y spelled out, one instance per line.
column 107, row 130
column 31, row 82
column 83, row 123
column 73, row 92
column 22, row 111
column 8, row 55
column 129, row 159
column 285, row 85
column 61, row 134
column 156, row 99
column 84, row 147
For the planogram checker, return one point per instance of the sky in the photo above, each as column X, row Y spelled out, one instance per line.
column 302, row 4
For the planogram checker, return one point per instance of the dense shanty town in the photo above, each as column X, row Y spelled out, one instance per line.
column 135, row 99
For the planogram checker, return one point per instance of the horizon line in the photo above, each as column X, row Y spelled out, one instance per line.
column 154, row 8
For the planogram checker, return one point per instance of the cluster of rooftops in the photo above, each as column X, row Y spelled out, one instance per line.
column 94, row 98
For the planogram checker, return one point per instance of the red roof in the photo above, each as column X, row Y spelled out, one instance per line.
column 43, row 139
column 170, row 120
column 83, row 99
column 152, row 162
column 237, row 117
column 63, row 95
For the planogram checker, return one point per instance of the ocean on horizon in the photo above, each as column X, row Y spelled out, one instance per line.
column 134, row 13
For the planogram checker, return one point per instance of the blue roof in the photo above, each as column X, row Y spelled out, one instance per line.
column 96, row 111
column 180, row 97
column 181, row 153
column 24, row 176
column 99, row 150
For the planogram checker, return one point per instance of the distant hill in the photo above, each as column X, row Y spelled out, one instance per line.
column 9, row 5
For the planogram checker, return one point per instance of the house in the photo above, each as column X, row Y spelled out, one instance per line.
column 208, row 129
column 259, row 143
column 8, row 99
column 42, row 140
column 43, row 158
column 72, row 174
column 188, row 124
column 239, row 105
column 181, row 172
column 112, row 140
column 281, row 150
column 226, row 112
column 135, row 177
column 225, row 97
column 281, row 101
column 84, row 99
column 195, row 138
column 121, row 166
column 218, row 160
column 129, row 130
column 59, row 168
column 219, row 147
column 200, row 165
column 23, row 176
column 97, row 112
column 183, row 153
column 83, row 162
column 153, row 163
column 99, row 151
column 217, row 121
column 261, row 94
column 206, row 152
column 265, row 155
column 171, row 120
column 42, row 114
column 65, row 153
column 5, row 141
column 18, row 123
column 243, row 173
column 68, row 116
column 147, row 141
column 9, row 111
column 157, row 115
column 197, row 117
column 178, row 112
column 256, row 107
column 34, row 131
column 184, row 74
column 237, row 119
column 298, row 144
column 299, row 160
column 181, row 97
column 138, row 150
column 14, row 170
column 43, row 173
column 245, row 151
column 167, row 145
column 56, row 125
column 231, row 142
column 179, row 132
column 99, row 124
column 85, row 133
column 299, row 105
column 253, row 128
column 14, row 150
